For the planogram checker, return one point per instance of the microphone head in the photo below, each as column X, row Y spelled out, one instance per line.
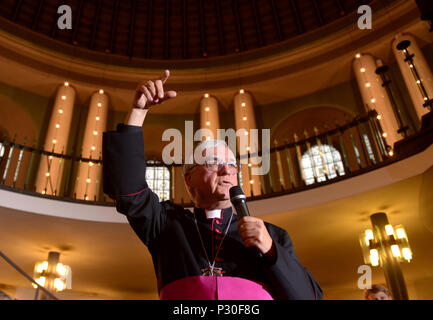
column 236, row 191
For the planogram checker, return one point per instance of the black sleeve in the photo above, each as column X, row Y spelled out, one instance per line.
column 288, row 278
column 124, row 180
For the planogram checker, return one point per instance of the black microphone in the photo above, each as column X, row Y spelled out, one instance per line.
column 239, row 201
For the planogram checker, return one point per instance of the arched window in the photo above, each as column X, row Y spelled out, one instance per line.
column 321, row 163
column 2, row 150
column 158, row 180
column 3, row 136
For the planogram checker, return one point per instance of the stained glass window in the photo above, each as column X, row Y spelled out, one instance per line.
column 158, row 179
column 321, row 163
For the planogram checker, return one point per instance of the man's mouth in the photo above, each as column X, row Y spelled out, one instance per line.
column 226, row 183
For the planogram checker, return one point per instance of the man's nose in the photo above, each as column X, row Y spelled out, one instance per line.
column 224, row 170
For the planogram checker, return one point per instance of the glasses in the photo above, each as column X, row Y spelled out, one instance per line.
column 218, row 166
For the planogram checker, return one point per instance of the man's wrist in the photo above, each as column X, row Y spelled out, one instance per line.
column 136, row 117
column 271, row 255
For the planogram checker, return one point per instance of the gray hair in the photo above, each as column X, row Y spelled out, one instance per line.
column 197, row 158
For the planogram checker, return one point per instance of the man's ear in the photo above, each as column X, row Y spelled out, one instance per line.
column 187, row 177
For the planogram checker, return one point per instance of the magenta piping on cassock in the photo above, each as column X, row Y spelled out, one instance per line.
column 214, row 288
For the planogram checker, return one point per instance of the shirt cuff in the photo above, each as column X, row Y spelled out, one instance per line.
column 121, row 127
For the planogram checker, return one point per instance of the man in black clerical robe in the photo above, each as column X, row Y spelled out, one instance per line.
column 200, row 253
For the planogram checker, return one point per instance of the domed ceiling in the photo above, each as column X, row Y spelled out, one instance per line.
column 177, row 29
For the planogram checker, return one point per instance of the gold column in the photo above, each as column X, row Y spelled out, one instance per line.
column 89, row 174
column 209, row 118
column 413, row 84
column 50, row 171
column 375, row 96
column 245, row 119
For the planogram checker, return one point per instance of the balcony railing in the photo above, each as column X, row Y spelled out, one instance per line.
column 319, row 157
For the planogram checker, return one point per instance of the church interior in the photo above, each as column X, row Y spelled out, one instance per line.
column 338, row 92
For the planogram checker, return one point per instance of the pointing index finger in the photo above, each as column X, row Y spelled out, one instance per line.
column 165, row 76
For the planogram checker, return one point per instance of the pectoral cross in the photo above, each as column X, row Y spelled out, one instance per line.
column 212, row 271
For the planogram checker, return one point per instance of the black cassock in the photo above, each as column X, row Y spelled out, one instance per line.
column 170, row 233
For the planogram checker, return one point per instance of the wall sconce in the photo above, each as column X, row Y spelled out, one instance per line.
column 386, row 246
column 52, row 274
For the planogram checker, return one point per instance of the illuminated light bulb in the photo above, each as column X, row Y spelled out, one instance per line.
column 418, row 81
column 362, row 69
column 384, row 134
column 41, row 281
column 63, row 97
column 243, row 104
column 57, row 125
column 373, row 100
column 95, row 133
column 207, row 109
column 248, row 148
column 389, row 230
column 47, row 174
column 379, row 117
column 246, row 133
column 374, row 257
column 425, row 98
column 86, row 198
column 99, row 104
column 60, row 268
column 368, row 84
column 43, row 191
column 249, row 164
column 88, row 180
column 93, row 148
column 208, row 123
column 58, row 284
column 207, row 138
column 60, row 111
column 395, row 250
column 244, row 118
column 97, row 118
column 401, row 234
column 206, row 95
column 241, row 91
column 66, row 84
column 54, row 141
column 251, row 181
column 368, row 236
column 50, row 157
column 39, row 268
column 407, row 254
column 358, row 55
column 42, row 267
column 391, row 153
column 90, row 164
column 101, row 91
column 411, row 66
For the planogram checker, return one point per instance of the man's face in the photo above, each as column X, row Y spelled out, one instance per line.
column 379, row 296
column 213, row 186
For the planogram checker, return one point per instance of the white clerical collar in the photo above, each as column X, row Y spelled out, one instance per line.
column 216, row 213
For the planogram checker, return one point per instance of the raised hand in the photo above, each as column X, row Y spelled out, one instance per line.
column 151, row 92
column 147, row 94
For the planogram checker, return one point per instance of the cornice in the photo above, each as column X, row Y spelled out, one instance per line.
column 289, row 60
